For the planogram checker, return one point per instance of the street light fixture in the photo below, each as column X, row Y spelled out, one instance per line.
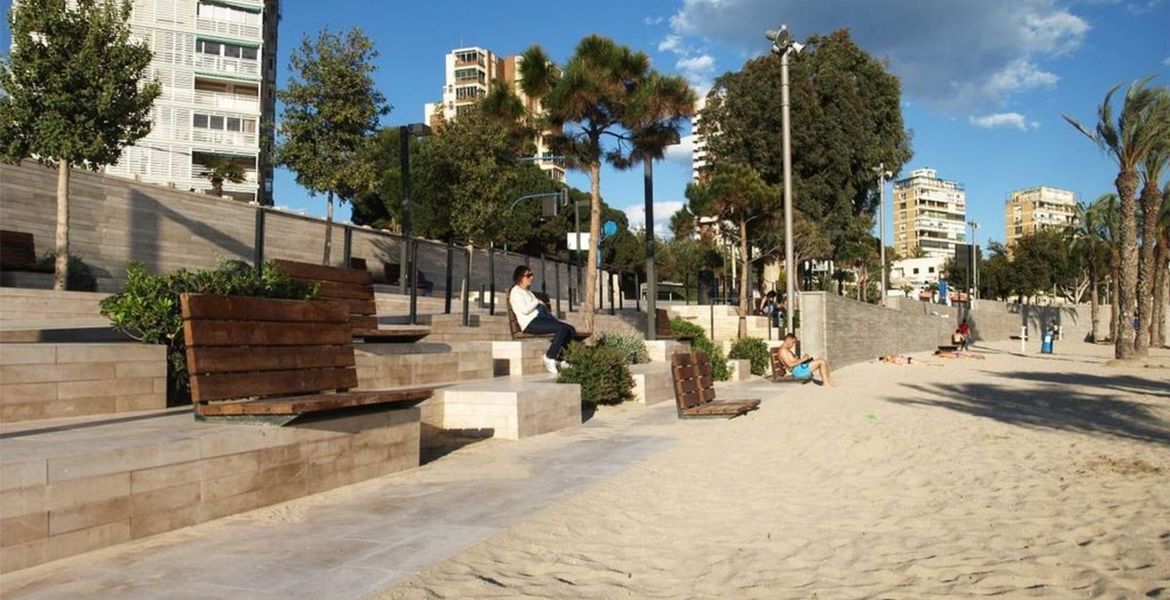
column 783, row 44
column 406, row 258
column 883, row 175
column 651, row 277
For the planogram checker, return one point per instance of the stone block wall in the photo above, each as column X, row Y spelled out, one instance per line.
column 847, row 331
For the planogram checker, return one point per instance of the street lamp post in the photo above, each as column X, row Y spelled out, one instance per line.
column 783, row 44
column 651, row 278
column 974, row 259
column 405, row 132
column 883, row 174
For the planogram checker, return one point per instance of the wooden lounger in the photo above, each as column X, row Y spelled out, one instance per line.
column 780, row 372
column 273, row 360
column 355, row 287
column 694, row 389
column 518, row 334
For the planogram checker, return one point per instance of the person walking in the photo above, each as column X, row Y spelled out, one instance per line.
column 534, row 317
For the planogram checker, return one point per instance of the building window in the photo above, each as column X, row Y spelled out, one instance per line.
column 222, row 123
column 228, row 50
column 930, row 270
column 915, row 270
column 227, row 14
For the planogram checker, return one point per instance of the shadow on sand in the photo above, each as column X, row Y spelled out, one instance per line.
column 1051, row 404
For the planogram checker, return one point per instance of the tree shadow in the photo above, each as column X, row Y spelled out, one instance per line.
column 1052, row 406
column 1122, row 383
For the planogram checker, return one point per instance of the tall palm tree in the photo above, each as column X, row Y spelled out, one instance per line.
column 1152, row 169
column 502, row 104
column 1085, row 240
column 1128, row 140
column 590, row 97
column 1162, row 271
column 218, row 170
column 538, row 75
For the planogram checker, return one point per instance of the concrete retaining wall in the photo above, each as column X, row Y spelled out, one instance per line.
column 847, row 331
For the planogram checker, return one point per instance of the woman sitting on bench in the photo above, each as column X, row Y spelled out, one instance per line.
column 534, row 318
column 805, row 366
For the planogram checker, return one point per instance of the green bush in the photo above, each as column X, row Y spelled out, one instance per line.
column 601, row 371
column 629, row 345
column 148, row 308
column 80, row 278
column 700, row 343
column 753, row 349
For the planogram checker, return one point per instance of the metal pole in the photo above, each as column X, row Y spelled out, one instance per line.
column 638, row 302
column 577, row 228
column 450, row 259
column 975, row 250
column 543, row 279
column 404, row 273
column 651, row 279
column 491, row 278
column 467, row 290
column 787, row 137
column 557, row 285
column 611, row 309
column 413, row 285
column 258, row 245
column 882, row 225
column 346, row 245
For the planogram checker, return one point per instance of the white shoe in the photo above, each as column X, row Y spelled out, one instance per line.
column 561, row 365
column 550, row 365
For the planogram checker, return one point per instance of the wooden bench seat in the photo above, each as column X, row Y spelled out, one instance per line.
column 18, row 252
column 780, row 372
column 664, row 329
column 273, row 360
column 355, row 287
column 514, row 323
column 694, row 389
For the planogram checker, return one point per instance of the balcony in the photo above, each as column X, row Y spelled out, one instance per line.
column 236, row 139
column 230, row 66
column 220, row 101
column 251, row 177
column 229, row 29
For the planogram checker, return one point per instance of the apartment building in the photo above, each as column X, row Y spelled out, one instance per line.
column 216, row 62
column 699, row 141
column 1036, row 209
column 469, row 74
column 929, row 214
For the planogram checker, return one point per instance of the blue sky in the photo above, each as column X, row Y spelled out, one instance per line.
column 984, row 81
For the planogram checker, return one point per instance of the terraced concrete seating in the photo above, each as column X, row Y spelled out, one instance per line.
column 664, row 329
column 354, row 287
column 506, row 408
column 694, row 390
column 273, row 360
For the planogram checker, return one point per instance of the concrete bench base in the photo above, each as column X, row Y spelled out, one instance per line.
column 70, row 486
column 505, row 408
column 381, row 366
column 519, row 358
column 652, row 383
column 662, row 350
column 741, row 369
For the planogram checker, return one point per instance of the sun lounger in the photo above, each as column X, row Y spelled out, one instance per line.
column 694, row 390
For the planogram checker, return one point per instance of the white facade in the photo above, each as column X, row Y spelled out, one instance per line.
column 699, row 149
column 918, row 273
column 1037, row 209
column 216, row 63
column 929, row 213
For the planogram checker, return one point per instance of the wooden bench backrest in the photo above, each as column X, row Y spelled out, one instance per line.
column 240, row 347
column 513, row 323
column 17, row 250
column 353, row 286
column 778, row 368
column 693, row 385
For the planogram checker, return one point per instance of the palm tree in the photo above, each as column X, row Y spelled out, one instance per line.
column 1161, row 268
column 1152, row 168
column 538, row 75
column 1085, row 240
column 218, row 170
column 591, row 97
column 502, row 104
column 1128, row 140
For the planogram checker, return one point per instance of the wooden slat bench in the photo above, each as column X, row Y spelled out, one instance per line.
column 18, row 252
column 694, row 389
column 355, row 288
column 663, row 328
column 514, row 323
column 273, row 360
column 780, row 372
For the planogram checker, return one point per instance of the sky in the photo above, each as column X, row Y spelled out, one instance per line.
column 985, row 82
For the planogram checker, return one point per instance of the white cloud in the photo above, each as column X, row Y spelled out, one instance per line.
column 671, row 43
column 698, row 70
column 682, row 151
column 1166, row 61
column 653, row 20
column 952, row 54
column 636, row 214
column 1009, row 119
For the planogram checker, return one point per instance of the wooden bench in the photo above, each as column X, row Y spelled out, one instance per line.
column 664, row 329
column 514, row 323
column 355, row 288
column 18, row 252
column 267, row 360
column 780, row 372
column 694, row 389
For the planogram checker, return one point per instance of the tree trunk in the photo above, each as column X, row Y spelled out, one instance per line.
column 1094, row 306
column 587, row 306
column 1161, row 294
column 329, row 235
column 1151, row 201
column 1127, row 239
column 1114, row 307
column 61, row 243
column 467, row 276
column 744, row 291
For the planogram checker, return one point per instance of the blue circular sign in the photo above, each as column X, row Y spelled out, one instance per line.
column 609, row 228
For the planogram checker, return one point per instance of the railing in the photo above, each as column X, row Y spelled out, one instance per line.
column 239, row 30
column 220, row 100
column 225, row 64
column 230, row 138
column 250, row 176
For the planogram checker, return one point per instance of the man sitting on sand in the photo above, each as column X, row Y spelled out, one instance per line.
column 805, row 366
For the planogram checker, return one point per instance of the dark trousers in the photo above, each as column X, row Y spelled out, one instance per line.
column 562, row 332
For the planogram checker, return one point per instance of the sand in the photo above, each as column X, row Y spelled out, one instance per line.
column 1037, row 476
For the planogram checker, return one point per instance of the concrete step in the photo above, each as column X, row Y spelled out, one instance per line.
column 505, row 408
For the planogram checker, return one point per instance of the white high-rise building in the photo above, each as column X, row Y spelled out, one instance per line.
column 699, row 147
column 929, row 213
column 470, row 73
column 1036, row 209
column 216, row 62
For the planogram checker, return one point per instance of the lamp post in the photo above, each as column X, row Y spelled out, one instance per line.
column 974, row 259
column 783, row 44
column 651, row 278
column 406, row 273
column 883, row 174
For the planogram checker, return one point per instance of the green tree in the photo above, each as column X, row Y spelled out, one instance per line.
column 76, row 93
column 218, row 170
column 1137, row 131
column 331, row 109
column 682, row 222
column 1085, row 239
column 735, row 192
column 997, row 277
column 846, row 118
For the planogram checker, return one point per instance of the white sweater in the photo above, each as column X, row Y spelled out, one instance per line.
column 524, row 304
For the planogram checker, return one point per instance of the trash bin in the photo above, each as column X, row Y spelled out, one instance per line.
column 1046, row 341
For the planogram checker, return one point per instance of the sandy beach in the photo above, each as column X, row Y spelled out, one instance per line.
column 1020, row 476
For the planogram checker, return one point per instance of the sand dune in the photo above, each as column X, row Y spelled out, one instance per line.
column 1014, row 476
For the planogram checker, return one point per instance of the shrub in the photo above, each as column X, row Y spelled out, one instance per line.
column 753, row 349
column 80, row 278
column 630, row 345
column 601, row 371
column 700, row 343
column 148, row 308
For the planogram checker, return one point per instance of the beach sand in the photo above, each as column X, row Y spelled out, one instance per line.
column 1036, row 476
